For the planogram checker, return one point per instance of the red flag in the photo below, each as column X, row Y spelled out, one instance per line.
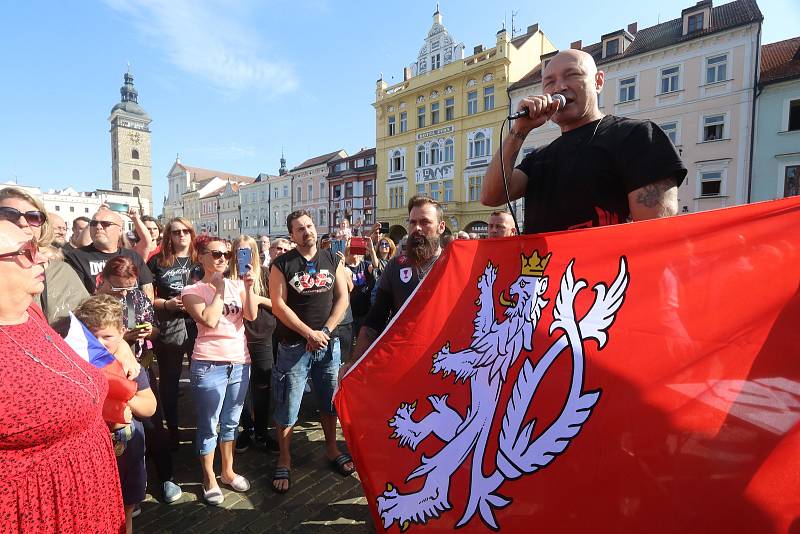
column 634, row 378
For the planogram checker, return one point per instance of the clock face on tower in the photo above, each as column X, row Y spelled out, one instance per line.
column 134, row 137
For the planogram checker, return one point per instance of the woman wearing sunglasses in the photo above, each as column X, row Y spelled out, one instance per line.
column 220, row 369
column 59, row 471
column 63, row 290
column 379, row 259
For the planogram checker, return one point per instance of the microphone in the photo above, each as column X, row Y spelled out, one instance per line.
column 558, row 97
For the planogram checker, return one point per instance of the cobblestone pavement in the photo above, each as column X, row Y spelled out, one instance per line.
column 320, row 500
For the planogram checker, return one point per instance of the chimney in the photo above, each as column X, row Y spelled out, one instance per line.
column 632, row 28
column 533, row 28
column 577, row 45
column 406, row 73
column 478, row 49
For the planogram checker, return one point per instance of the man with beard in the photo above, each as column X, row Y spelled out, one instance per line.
column 308, row 288
column 403, row 273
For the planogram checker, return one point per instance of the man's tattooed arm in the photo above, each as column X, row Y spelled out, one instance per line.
column 659, row 199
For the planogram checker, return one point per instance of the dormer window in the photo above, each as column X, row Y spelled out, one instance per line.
column 695, row 23
column 612, row 48
column 697, row 18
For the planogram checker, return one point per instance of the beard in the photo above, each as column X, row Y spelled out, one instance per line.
column 421, row 248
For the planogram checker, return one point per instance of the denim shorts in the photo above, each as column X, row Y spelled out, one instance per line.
column 219, row 389
column 293, row 368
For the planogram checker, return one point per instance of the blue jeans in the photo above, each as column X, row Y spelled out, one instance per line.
column 219, row 390
column 292, row 369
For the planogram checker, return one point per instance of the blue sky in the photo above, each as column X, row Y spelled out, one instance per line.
column 230, row 82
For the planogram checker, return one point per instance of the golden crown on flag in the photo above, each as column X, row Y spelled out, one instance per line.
column 534, row 265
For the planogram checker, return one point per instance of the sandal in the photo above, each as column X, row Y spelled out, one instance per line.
column 239, row 483
column 281, row 473
column 214, row 497
column 338, row 465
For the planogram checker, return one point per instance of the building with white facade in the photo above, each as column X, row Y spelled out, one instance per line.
column 280, row 202
column 183, row 179
column 255, row 203
column 695, row 77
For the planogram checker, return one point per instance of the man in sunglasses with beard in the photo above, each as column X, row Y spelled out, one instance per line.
column 403, row 273
column 105, row 228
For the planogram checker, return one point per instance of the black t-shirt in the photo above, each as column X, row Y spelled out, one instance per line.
column 169, row 281
column 362, row 287
column 398, row 281
column 261, row 329
column 89, row 262
column 309, row 291
column 583, row 178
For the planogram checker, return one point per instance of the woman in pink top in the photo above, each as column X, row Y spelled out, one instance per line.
column 220, row 370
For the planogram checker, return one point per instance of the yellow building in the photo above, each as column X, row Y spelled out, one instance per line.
column 437, row 129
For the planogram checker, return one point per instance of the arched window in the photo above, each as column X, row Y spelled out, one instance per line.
column 448, row 151
column 136, row 191
column 135, row 174
column 433, row 157
column 134, row 154
column 479, row 146
column 421, row 156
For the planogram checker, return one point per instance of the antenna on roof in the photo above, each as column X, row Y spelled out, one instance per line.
column 513, row 23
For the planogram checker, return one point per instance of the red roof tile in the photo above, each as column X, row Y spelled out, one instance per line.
column 780, row 61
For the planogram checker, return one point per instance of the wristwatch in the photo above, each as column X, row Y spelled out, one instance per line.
column 325, row 330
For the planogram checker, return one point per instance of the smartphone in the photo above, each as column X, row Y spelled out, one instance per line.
column 118, row 207
column 384, row 227
column 358, row 245
column 338, row 245
column 244, row 257
column 140, row 326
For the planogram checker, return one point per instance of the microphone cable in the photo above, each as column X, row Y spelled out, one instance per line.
column 505, row 181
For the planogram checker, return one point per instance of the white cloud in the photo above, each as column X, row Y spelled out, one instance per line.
column 210, row 40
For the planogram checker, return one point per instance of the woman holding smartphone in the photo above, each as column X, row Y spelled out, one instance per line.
column 220, row 369
column 259, row 341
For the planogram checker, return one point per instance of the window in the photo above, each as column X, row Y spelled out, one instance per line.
column 670, row 79
column 713, row 127
column 671, row 129
column 72, row 209
column 135, row 174
column 448, row 190
column 791, row 181
column 627, row 89
column 472, row 102
column 285, row 191
column 348, row 190
column 136, row 191
column 420, row 156
column 448, row 151
column 435, row 190
column 134, row 154
column 397, row 197
column 436, row 61
column 711, row 184
column 337, row 191
column 434, row 113
column 368, row 188
column 398, row 162
column 449, row 108
column 58, row 208
column 421, row 117
column 695, row 23
column 433, row 154
column 717, row 69
column 488, row 98
column 612, row 47
column 299, row 193
column 310, row 191
column 322, row 217
column 480, row 146
column 391, row 126
column 421, row 189
column 403, row 122
column 794, row 116
column 475, row 188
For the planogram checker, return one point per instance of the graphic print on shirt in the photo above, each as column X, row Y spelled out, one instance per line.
column 176, row 277
column 231, row 308
column 319, row 282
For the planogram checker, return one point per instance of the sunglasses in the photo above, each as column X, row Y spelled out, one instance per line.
column 30, row 250
column 124, row 289
column 217, row 254
column 181, row 231
column 104, row 224
column 384, row 245
column 33, row 218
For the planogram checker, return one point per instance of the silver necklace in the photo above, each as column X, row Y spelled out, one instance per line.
column 184, row 264
column 423, row 271
column 63, row 374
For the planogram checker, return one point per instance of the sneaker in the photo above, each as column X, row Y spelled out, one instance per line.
column 243, row 442
column 172, row 492
column 137, row 510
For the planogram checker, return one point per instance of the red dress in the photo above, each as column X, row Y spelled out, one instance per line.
column 58, row 472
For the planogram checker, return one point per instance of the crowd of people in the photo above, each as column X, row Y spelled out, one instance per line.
column 260, row 322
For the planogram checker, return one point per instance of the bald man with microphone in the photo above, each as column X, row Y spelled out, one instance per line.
column 602, row 170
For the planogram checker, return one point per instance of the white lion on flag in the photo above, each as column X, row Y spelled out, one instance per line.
column 495, row 347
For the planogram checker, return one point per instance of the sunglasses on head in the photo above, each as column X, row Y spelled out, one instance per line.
column 181, row 231
column 217, row 254
column 384, row 245
column 105, row 224
column 30, row 250
column 33, row 218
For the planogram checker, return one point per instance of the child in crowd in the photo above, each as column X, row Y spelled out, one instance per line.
column 103, row 316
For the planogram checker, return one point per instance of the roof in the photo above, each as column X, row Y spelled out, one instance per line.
column 319, row 160
column 198, row 174
column 780, row 61
column 362, row 153
column 723, row 17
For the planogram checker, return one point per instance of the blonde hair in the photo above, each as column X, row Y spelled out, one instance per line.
column 46, row 235
column 100, row 311
column 259, row 287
